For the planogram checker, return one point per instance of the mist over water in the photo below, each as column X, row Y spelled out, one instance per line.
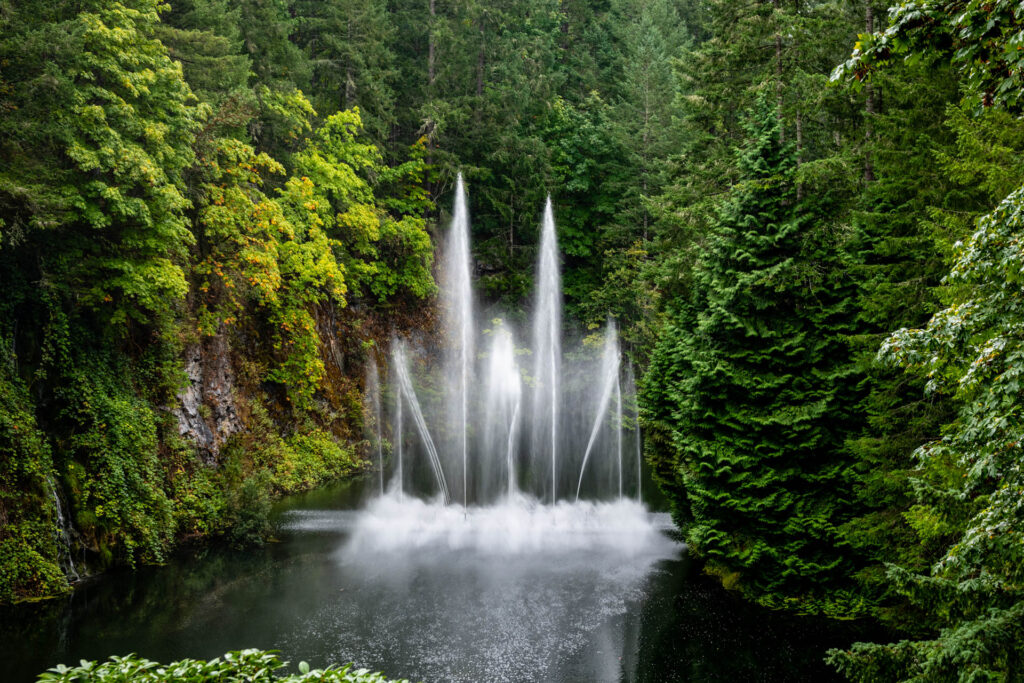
column 506, row 539
column 588, row 592
column 516, row 525
column 513, row 591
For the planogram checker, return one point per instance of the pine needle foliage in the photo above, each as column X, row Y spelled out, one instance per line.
column 758, row 363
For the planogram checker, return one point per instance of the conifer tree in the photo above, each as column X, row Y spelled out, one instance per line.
column 757, row 414
column 349, row 45
column 968, row 482
column 897, row 269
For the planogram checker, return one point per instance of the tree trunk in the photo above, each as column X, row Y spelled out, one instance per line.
column 799, row 151
column 431, row 75
column 564, row 27
column 869, row 107
column 430, row 46
column 350, row 84
column 644, row 158
column 480, row 62
column 778, row 67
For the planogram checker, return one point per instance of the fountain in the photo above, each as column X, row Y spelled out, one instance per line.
column 457, row 295
column 408, row 393
column 503, row 398
column 547, row 348
column 374, row 419
column 609, row 383
column 515, row 426
column 398, row 437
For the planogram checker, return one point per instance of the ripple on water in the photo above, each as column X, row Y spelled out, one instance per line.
column 502, row 593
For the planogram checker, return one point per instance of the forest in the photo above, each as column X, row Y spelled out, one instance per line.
column 805, row 216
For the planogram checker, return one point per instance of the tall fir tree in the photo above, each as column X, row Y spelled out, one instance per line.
column 349, row 45
column 758, row 415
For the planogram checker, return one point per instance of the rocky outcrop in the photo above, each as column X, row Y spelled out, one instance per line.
column 206, row 411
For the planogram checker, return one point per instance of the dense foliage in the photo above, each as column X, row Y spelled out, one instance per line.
column 165, row 276
column 251, row 666
column 759, row 405
column 915, row 203
column 209, row 210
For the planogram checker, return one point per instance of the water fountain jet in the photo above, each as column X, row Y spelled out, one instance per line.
column 457, row 294
column 408, row 392
column 610, row 375
column 503, row 390
column 547, row 347
column 373, row 399
column 509, row 430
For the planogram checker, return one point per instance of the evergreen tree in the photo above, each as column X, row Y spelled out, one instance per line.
column 349, row 44
column 204, row 37
column 759, row 416
column 967, row 484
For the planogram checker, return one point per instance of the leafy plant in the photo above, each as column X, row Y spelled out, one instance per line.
column 250, row 666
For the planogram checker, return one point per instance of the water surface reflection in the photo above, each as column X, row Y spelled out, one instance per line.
column 433, row 612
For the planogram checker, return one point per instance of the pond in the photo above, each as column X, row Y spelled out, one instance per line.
column 432, row 607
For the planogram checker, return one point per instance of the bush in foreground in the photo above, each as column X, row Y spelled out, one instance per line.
column 251, row 666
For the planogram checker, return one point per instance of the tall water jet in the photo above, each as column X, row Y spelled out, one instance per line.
column 408, row 392
column 632, row 391
column 547, row 348
column 503, row 390
column 610, row 378
column 460, row 326
column 373, row 399
column 397, row 434
column 472, row 418
column 618, row 424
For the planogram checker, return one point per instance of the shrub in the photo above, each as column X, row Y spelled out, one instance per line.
column 251, row 666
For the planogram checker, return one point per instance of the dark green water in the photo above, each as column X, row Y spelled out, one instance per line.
column 431, row 616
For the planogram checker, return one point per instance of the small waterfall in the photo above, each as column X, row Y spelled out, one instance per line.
column 610, row 378
column 460, row 325
column 547, row 348
column 409, row 393
column 373, row 399
column 64, row 533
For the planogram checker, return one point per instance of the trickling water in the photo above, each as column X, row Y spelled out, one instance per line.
column 63, row 532
column 547, row 348
column 458, row 300
column 401, row 362
column 373, row 401
column 610, row 378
